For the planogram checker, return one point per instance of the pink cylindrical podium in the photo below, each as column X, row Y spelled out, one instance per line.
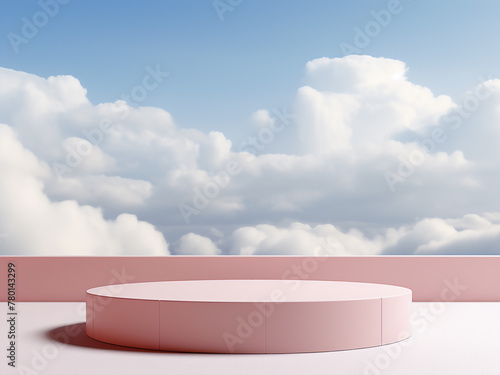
column 249, row 316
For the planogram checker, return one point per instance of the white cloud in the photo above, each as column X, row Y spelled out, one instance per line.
column 361, row 99
column 92, row 189
column 37, row 226
column 194, row 244
column 262, row 118
column 464, row 235
column 360, row 128
column 300, row 239
column 352, row 72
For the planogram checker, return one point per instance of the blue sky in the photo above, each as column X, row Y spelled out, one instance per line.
column 222, row 71
column 382, row 149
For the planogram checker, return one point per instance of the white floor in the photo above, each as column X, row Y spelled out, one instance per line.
column 448, row 338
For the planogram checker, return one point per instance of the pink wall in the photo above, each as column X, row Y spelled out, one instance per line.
column 444, row 278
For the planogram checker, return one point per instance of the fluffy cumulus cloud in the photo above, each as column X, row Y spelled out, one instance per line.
column 369, row 163
column 36, row 225
column 194, row 244
column 468, row 234
column 357, row 100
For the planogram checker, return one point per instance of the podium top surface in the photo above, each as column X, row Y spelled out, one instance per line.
column 287, row 290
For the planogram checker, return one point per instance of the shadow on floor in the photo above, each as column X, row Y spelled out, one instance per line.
column 74, row 334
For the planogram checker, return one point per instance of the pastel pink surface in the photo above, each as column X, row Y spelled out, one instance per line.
column 249, row 290
column 248, row 316
column 431, row 278
column 90, row 314
column 126, row 322
column 209, row 327
column 396, row 313
column 324, row 326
